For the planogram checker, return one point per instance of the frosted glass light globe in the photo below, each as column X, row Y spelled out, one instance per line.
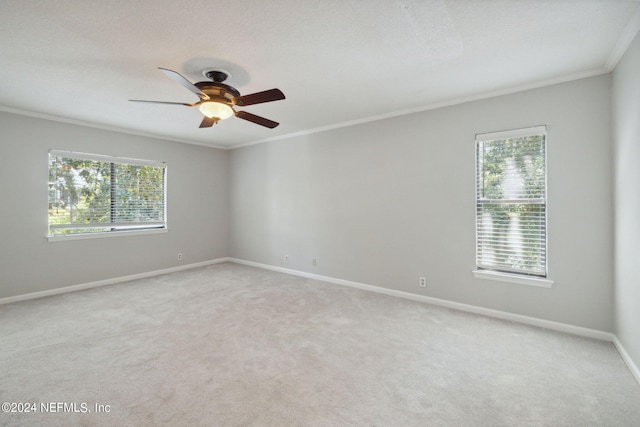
column 216, row 109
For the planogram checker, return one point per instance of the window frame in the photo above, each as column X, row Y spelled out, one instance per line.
column 122, row 229
column 484, row 272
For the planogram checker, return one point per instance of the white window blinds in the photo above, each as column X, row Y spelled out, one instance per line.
column 511, row 221
column 91, row 193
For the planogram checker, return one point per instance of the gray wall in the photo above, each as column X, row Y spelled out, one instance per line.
column 379, row 203
column 386, row 202
column 626, row 131
column 197, row 208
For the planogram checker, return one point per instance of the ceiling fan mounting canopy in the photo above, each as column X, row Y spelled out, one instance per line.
column 217, row 76
column 218, row 99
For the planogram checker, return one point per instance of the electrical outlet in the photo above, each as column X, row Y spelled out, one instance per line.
column 286, row 258
column 423, row 282
column 179, row 257
column 314, row 262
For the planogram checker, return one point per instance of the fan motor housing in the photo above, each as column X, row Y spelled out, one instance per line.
column 219, row 92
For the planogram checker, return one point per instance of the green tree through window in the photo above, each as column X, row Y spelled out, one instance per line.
column 511, row 202
column 92, row 193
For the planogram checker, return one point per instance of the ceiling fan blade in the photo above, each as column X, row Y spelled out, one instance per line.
column 162, row 102
column 208, row 122
column 256, row 119
column 260, row 97
column 183, row 81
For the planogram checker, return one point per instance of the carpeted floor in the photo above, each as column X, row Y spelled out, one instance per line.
column 231, row 345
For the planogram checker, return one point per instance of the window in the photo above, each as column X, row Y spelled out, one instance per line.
column 511, row 211
column 91, row 194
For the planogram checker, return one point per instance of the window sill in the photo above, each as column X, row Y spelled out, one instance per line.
column 513, row 278
column 67, row 237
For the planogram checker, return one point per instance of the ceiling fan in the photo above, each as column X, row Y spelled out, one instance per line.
column 218, row 99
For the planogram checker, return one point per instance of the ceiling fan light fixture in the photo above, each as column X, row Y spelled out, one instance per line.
column 216, row 109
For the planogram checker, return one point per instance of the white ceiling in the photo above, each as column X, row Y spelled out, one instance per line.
column 337, row 61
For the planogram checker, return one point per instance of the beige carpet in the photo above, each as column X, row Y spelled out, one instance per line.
column 231, row 345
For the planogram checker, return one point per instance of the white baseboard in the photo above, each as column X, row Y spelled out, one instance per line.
column 112, row 281
column 627, row 359
column 547, row 324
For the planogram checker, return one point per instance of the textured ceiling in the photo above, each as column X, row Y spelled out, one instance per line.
column 337, row 61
